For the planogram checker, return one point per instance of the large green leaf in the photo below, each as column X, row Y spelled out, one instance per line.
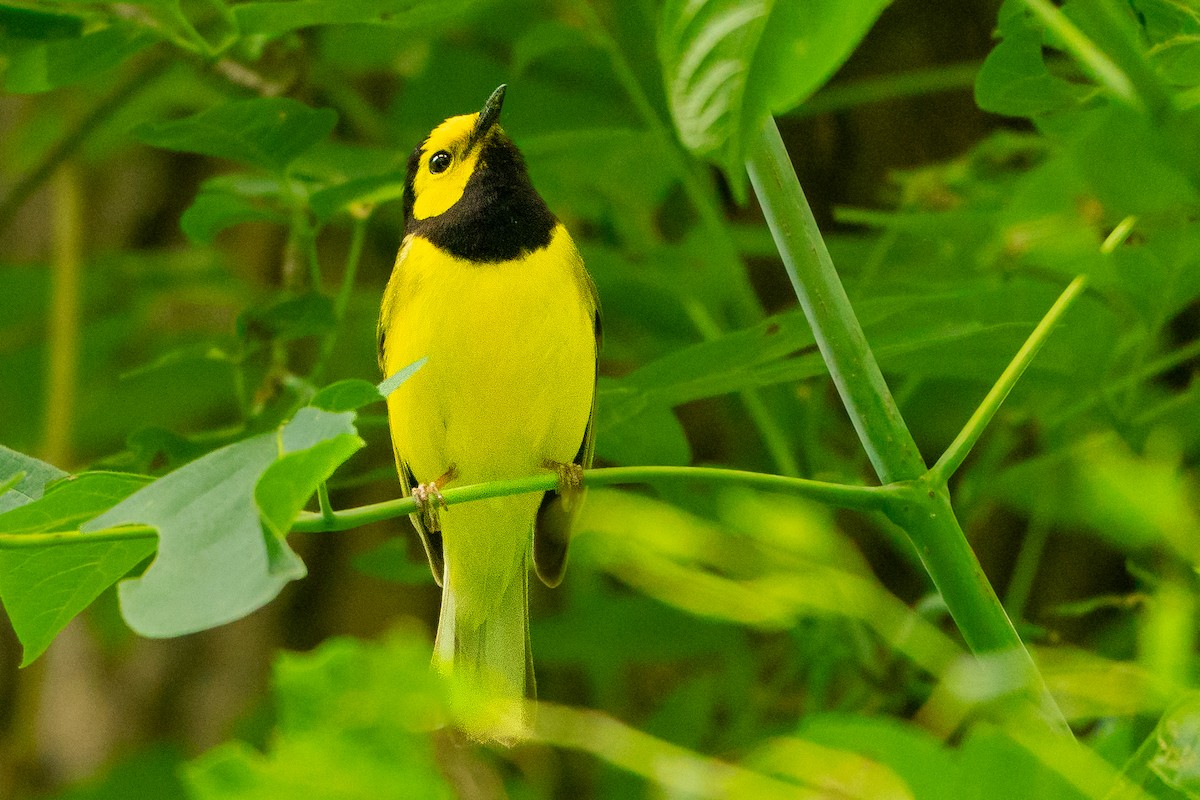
column 266, row 132
column 214, row 563
column 44, row 588
column 730, row 63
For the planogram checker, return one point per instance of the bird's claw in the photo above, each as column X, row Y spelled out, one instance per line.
column 570, row 480
column 429, row 496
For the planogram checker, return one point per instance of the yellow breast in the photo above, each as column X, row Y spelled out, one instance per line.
column 511, row 360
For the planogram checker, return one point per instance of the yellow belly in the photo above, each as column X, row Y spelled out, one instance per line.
column 508, row 384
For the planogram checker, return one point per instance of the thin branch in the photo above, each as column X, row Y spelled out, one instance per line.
column 1098, row 63
column 124, row 533
column 342, row 301
column 958, row 450
column 862, row 498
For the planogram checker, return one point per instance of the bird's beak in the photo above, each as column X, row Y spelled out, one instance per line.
column 488, row 116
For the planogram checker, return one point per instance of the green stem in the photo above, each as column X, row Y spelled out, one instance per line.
column 958, row 450
column 342, row 301
column 1160, row 365
column 861, row 498
column 923, row 509
column 323, row 501
column 20, row 541
column 839, row 336
column 303, row 237
column 1029, row 557
column 62, row 349
column 945, row 78
column 1130, row 77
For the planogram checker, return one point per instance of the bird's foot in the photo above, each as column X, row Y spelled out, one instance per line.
column 570, row 480
column 429, row 497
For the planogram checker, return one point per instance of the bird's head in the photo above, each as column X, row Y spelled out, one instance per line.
column 441, row 167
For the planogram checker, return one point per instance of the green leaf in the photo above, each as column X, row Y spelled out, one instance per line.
column 29, row 23
column 44, row 588
column 1014, row 80
column 1134, row 502
column 371, row 191
column 35, row 475
column 287, row 318
column 729, row 63
column 925, row 764
column 348, row 395
column 352, row 718
column 35, row 67
column 266, row 132
column 839, row 773
column 1088, row 687
column 71, row 502
column 274, row 18
column 214, row 563
column 214, row 210
column 766, row 565
column 654, row 436
column 150, row 774
column 286, row 485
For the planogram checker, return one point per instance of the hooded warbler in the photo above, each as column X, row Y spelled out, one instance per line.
column 489, row 286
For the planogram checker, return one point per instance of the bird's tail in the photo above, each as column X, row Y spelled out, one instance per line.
column 491, row 660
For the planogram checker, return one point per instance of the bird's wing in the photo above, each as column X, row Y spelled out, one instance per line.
column 432, row 540
column 556, row 515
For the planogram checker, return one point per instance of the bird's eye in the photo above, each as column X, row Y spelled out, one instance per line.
column 439, row 162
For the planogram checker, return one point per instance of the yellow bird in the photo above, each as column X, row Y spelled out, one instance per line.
column 489, row 286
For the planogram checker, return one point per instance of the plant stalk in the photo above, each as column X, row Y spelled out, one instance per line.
column 62, row 349
column 860, row 498
column 840, row 338
column 925, row 512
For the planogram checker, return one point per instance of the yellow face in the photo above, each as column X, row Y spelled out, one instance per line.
column 445, row 167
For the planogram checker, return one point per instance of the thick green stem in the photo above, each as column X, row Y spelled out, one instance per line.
column 840, row 338
column 924, row 511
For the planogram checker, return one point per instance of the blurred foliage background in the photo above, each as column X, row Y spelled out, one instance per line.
column 175, row 283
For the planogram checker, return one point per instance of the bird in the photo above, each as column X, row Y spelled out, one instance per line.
column 489, row 287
